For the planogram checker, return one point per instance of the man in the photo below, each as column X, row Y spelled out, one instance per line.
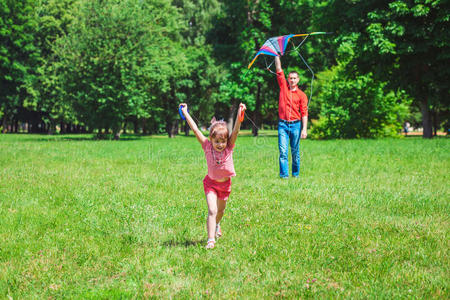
column 293, row 120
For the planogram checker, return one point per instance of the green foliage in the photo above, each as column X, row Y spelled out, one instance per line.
column 403, row 43
column 18, row 54
column 119, row 57
column 54, row 17
column 239, row 87
column 199, row 86
column 358, row 108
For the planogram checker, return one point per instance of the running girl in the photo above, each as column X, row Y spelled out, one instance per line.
column 219, row 158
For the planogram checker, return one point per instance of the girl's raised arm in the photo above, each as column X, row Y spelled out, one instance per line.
column 237, row 124
column 200, row 137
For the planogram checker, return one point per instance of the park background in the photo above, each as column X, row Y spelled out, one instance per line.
column 89, row 218
column 108, row 67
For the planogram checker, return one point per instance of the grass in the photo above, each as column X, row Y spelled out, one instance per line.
column 93, row 219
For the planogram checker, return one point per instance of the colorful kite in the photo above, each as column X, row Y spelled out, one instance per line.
column 276, row 46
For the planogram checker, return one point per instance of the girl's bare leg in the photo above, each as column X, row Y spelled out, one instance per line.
column 211, row 200
column 221, row 204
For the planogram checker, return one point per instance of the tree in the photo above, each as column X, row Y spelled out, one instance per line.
column 53, row 19
column 358, row 107
column 18, row 57
column 403, row 42
column 238, row 31
column 118, row 58
column 200, row 86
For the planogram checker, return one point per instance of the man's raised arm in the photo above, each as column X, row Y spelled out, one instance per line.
column 278, row 64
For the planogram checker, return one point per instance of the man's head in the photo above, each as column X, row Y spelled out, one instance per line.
column 293, row 79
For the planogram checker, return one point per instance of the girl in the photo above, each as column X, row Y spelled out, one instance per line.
column 219, row 158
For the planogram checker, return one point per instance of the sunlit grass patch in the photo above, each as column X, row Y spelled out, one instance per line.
column 83, row 218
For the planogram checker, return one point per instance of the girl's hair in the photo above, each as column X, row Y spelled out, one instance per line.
column 218, row 129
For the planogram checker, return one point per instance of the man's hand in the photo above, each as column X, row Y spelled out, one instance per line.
column 303, row 134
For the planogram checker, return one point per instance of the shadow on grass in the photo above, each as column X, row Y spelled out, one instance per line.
column 261, row 133
column 81, row 137
column 443, row 136
column 183, row 243
column 242, row 133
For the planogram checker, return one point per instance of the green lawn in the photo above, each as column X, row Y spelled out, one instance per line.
column 120, row 219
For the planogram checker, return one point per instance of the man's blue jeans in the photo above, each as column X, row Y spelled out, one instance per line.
column 289, row 134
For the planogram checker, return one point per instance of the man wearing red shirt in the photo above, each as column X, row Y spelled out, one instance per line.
column 293, row 120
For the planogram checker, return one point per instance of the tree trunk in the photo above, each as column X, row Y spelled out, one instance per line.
column 117, row 129
column 233, row 110
column 4, row 124
column 15, row 126
column 33, row 126
column 144, row 126
column 186, row 129
column 135, row 126
column 435, row 122
column 125, row 127
column 170, row 106
column 51, row 127
column 257, row 114
column 172, row 128
column 426, row 120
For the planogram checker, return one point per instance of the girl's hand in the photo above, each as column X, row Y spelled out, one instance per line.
column 183, row 107
column 241, row 112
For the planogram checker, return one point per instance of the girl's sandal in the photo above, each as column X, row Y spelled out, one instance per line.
column 210, row 244
column 218, row 232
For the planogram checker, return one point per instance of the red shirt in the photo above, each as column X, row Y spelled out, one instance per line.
column 292, row 105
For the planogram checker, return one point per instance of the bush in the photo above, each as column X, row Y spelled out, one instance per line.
column 358, row 107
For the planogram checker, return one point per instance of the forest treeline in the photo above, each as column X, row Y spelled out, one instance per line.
column 107, row 66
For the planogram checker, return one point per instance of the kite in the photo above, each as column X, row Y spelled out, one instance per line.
column 276, row 46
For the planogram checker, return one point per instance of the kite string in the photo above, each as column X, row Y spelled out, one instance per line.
column 198, row 121
column 192, row 115
column 309, row 68
column 301, row 43
column 312, row 79
column 245, row 74
column 250, row 119
column 268, row 66
column 253, row 123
